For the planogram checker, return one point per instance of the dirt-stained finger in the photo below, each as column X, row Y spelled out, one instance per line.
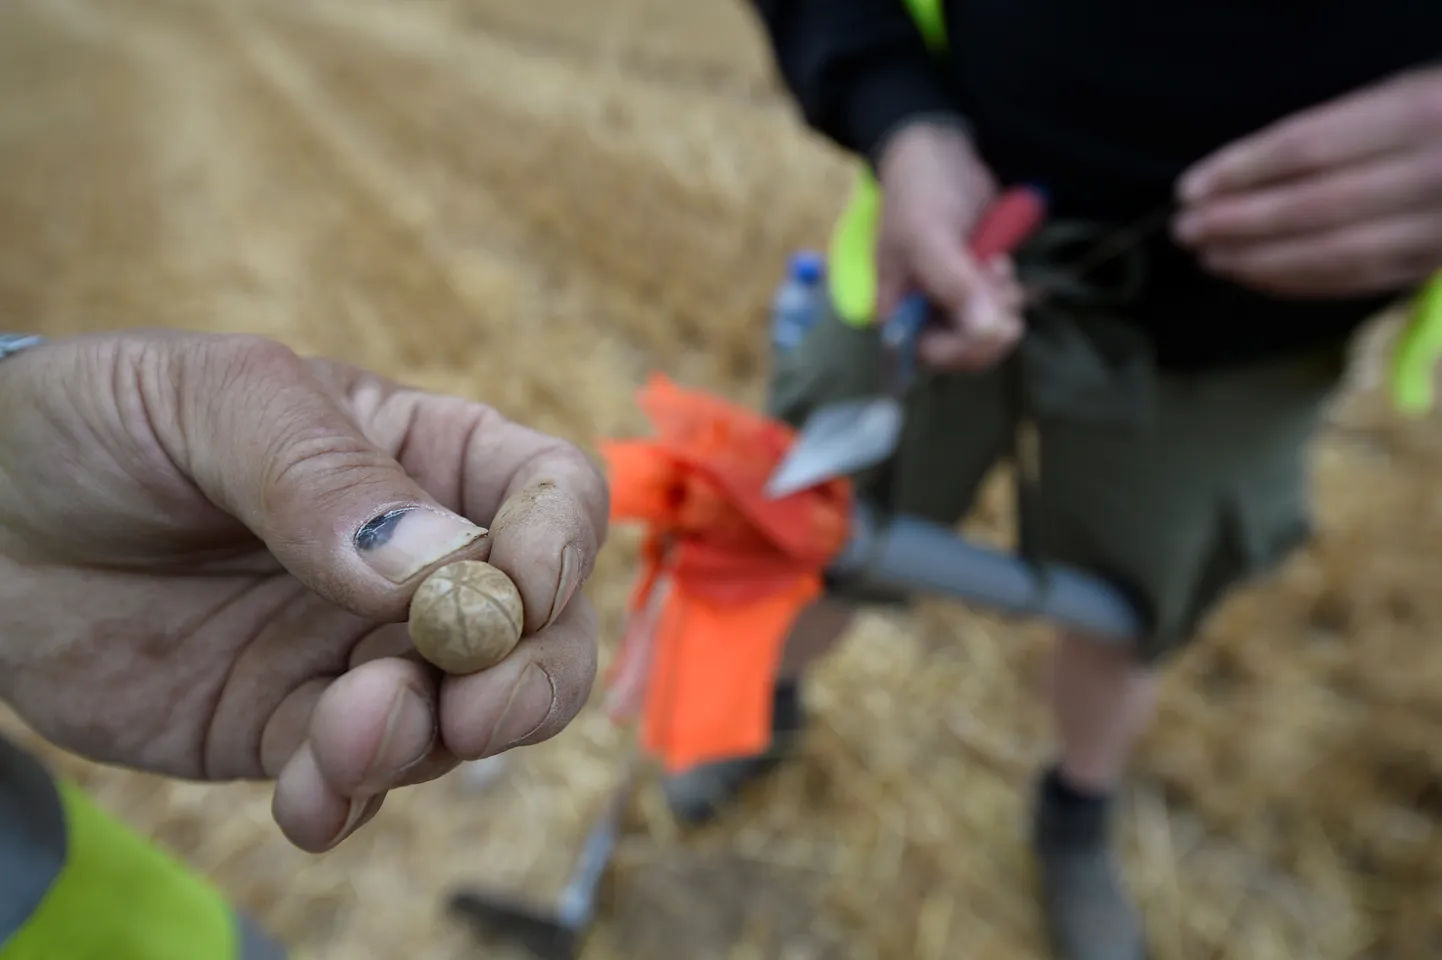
column 546, row 504
column 544, row 539
column 310, row 813
column 527, row 698
column 373, row 723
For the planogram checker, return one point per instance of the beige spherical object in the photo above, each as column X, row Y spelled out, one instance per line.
column 466, row 617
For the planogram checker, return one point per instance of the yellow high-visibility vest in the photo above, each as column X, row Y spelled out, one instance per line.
column 79, row 885
column 852, row 270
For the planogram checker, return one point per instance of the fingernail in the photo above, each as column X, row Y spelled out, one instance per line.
column 400, row 543
column 566, row 585
column 532, row 700
column 409, row 722
column 358, row 807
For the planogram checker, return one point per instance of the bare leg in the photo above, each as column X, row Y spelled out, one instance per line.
column 817, row 631
column 1101, row 701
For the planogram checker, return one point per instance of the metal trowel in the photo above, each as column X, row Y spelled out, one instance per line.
column 842, row 438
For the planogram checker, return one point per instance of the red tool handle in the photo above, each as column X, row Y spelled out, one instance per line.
column 1010, row 220
column 1002, row 228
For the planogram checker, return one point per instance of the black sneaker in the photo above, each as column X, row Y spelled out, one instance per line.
column 1086, row 908
column 699, row 794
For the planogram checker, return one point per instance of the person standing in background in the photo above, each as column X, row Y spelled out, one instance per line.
column 1294, row 151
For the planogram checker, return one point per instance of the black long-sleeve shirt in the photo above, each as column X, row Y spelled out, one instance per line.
column 1106, row 102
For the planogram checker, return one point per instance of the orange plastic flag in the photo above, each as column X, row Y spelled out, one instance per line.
column 725, row 571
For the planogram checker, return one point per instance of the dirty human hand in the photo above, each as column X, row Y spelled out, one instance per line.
column 207, row 550
column 935, row 189
column 1341, row 200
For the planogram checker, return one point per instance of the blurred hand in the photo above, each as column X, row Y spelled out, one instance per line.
column 207, row 550
column 935, row 189
column 1344, row 199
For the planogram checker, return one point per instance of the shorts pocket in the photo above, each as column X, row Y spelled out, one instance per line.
column 1096, row 370
column 1273, row 516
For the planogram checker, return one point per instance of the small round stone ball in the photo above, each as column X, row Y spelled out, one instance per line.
column 466, row 617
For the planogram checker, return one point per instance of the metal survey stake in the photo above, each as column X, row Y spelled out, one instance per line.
column 555, row 931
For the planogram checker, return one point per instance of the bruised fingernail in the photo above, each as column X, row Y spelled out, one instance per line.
column 400, row 543
column 532, row 700
column 566, row 584
column 409, row 723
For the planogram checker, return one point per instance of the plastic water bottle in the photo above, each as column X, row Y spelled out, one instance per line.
column 797, row 301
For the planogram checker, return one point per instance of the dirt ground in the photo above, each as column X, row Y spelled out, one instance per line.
column 537, row 204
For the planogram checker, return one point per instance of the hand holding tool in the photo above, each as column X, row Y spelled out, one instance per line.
column 841, row 438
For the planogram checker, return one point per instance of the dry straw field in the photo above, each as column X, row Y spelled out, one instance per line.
column 536, row 204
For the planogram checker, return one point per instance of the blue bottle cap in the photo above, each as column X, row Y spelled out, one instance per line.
column 807, row 266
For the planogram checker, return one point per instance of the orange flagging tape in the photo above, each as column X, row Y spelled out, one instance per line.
column 725, row 572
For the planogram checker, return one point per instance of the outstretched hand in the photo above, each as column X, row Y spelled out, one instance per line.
column 207, row 550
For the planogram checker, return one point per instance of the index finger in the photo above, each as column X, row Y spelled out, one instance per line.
column 945, row 269
column 1341, row 131
column 552, row 517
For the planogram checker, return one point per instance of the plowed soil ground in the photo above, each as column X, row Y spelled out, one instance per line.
column 536, row 205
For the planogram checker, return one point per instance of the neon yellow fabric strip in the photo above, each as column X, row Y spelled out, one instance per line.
column 851, row 269
column 930, row 21
column 1414, row 361
column 121, row 898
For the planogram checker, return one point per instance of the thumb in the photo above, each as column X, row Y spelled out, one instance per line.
column 978, row 321
column 266, row 441
column 892, row 278
column 950, row 275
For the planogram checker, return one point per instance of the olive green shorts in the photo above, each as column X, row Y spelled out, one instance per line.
column 1174, row 488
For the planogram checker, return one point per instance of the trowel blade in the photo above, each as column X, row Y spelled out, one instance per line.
column 837, row 440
